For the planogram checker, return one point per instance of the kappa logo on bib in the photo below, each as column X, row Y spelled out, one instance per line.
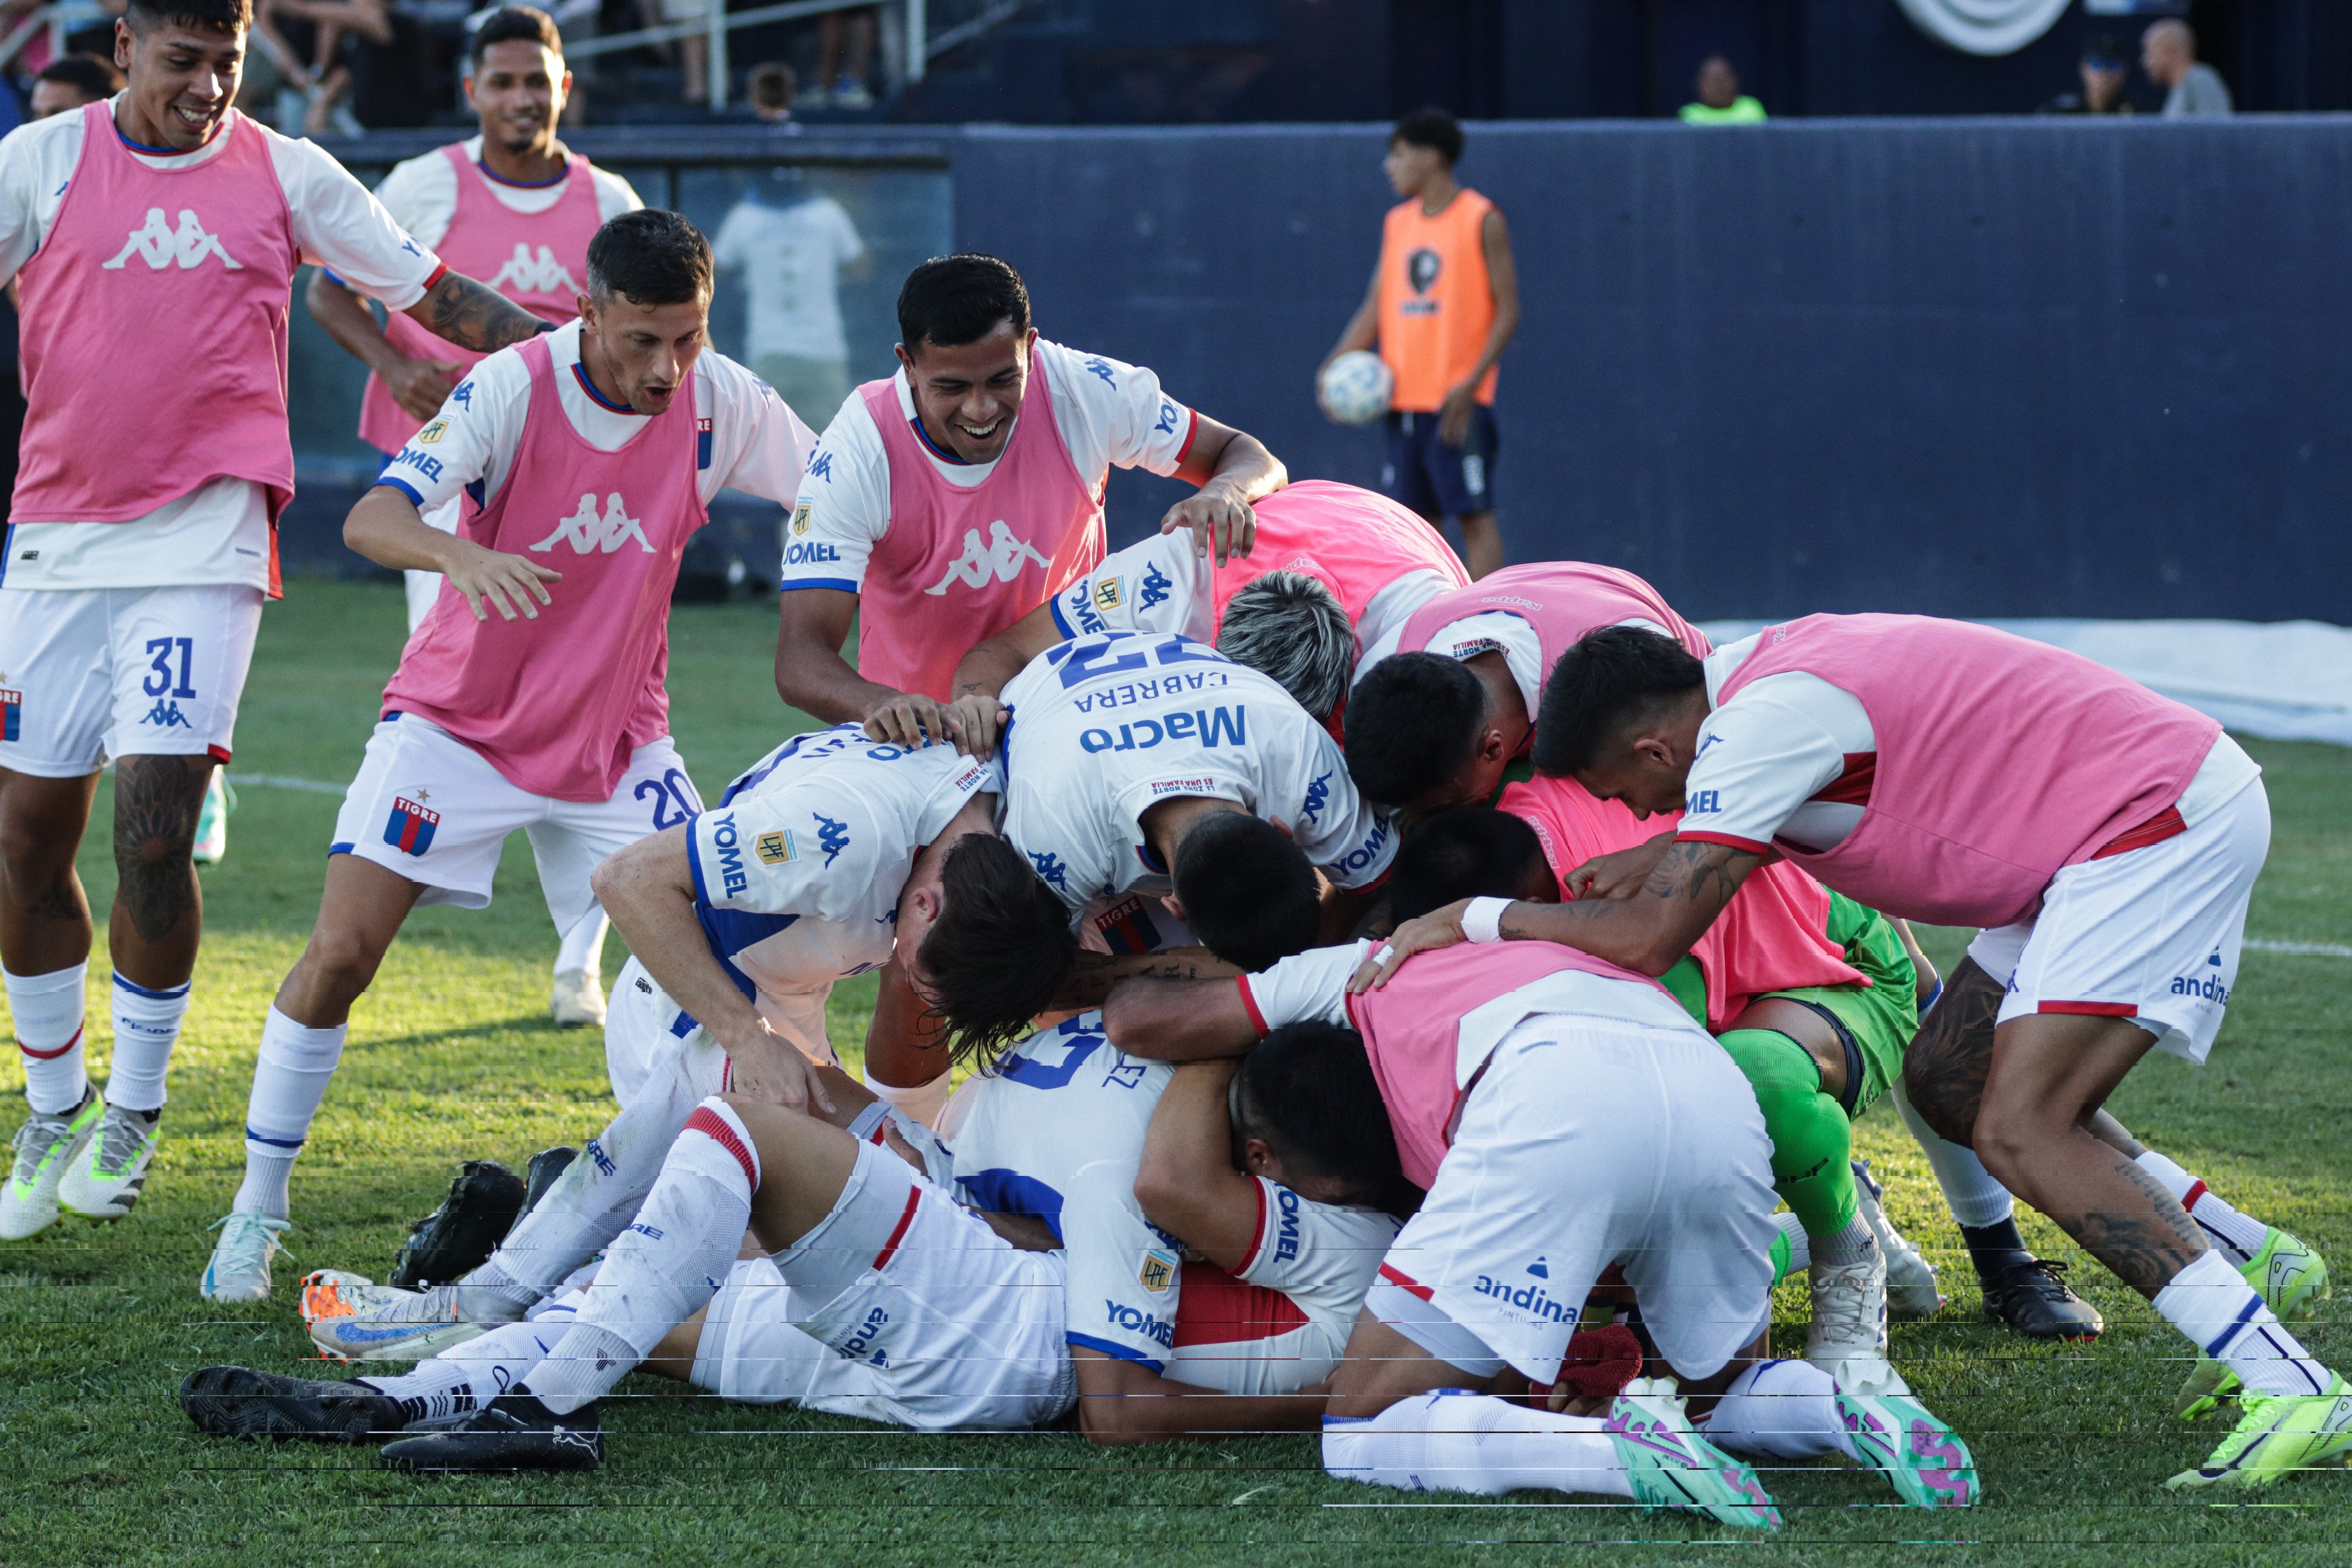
column 1002, row 559
column 589, row 533
column 527, row 274
column 159, row 245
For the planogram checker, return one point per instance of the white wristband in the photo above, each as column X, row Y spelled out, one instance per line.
column 1483, row 921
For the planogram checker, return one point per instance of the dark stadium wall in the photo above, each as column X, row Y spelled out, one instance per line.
column 1989, row 368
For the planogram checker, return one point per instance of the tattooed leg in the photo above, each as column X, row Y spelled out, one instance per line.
column 44, row 918
column 158, row 907
column 2049, row 1074
column 1945, row 1068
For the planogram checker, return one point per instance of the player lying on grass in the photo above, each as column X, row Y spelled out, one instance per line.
column 1565, row 1115
column 881, row 1296
column 1145, row 769
column 1335, row 572
column 1817, row 1049
column 2105, row 839
column 533, row 697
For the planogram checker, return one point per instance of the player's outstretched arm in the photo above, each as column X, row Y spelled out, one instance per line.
column 1233, row 469
column 1179, row 1020
column 1122, row 1402
column 1648, row 932
column 386, row 528
column 811, row 673
column 418, row 386
column 473, row 315
column 1096, row 974
column 1187, row 1184
column 976, row 719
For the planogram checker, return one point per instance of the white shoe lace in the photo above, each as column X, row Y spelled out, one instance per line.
column 246, row 1241
column 121, row 1139
column 1847, row 1310
column 34, row 1140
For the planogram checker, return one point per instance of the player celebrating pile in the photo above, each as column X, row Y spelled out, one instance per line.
column 2105, row 839
column 156, row 236
column 596, row 451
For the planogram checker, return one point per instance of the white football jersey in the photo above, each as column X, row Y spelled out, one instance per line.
column 798, row 868
column 1105, row 725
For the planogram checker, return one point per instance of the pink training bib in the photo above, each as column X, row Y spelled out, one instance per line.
column 1773, row 936
column 1999, row 760
column 1352, row 541
column 538, row 260
column 558, row 705
column 1412, row 1029
column 154, row 333
column 957, row 565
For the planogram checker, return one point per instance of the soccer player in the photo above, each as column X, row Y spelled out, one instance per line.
column 1442, row 718
column 156, row 237
column 816, row 861
column 515, row 206
column 966, row 490
column 2103, row 839
column 1335, row 570
column 532, row 697
column 70, row 81
column 1152, row 786
column 1564, row 1115
column 1442, row 305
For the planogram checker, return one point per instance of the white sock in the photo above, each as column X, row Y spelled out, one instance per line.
column 1975, row 1199
column 2213, row 1304
column 2238, row 1235
column 146, row 1028
column 1454, row 1441
column 924, row 1102
column 289, row 1079
column 475, row 1373
column 665, row 1267
column 435, row 1387
column 48, row 1009
column 1780, row 1410
column 1855, row 1244
column 597, row 1195
column 583, row 945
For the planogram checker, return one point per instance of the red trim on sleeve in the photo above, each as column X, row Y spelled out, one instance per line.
column 712, row 1125
column 2092, row 1009
column 1192, row 433
column 1257, row 1019
column 898, row 1233
column 1404, row 1281
column 218, row 754
column 53, row 1055
column 2166, row 824
column 439, row 273
column 1257, row 1237
column 1732, row 839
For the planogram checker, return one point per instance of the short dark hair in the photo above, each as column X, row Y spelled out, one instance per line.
column 772, row 85
column 210, row 15
column 1614, row 677
column 1248, row 893
column 515, row 24
column 1000, row 950
column 1293, row 628
column 953, row 300
column 1464, row 851
column 87, row 74
column 1307, row 1090
column 1412, row 723
column 1433, row 129
column 652, row 256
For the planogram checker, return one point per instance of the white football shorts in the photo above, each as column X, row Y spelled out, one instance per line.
column 2152, row 935
column 1586, row 1143
column 91, row 672
column 924, row 1315
column 430, row 808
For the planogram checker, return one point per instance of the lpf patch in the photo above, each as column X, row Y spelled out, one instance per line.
column 410, row 827
column 801, row 519
column 1159, row 1272
column 433, row 433
column 775, row 849
column 1106, row 593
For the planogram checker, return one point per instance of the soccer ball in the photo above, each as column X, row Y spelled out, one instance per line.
column 1355, row 388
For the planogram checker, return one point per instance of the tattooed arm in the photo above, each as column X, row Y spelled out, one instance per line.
column 1179, row 1020
column 1648, row 932
column 473, row 314
column 1090, row 983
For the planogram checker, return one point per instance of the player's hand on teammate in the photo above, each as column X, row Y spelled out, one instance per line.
column 1453, row 415
column 771, row 1068
column 421, row 386
column 1619, row 875
column 1221, row 525
column 972, row 723
column 1438, row 929
column 508, row 582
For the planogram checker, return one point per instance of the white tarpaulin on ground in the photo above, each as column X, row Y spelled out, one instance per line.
column 2287, row 680
column 1984, row 27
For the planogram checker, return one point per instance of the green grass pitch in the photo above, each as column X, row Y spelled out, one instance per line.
column 451, row 1057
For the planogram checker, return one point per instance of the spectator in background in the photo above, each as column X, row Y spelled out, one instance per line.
column 2103, row 70
column 2194, row 91
column 70, row 81
column 1720, row 101
column 1443, row 303
column 791, row 245
column 769, row 88
column 834, row 87
column 96, row 39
